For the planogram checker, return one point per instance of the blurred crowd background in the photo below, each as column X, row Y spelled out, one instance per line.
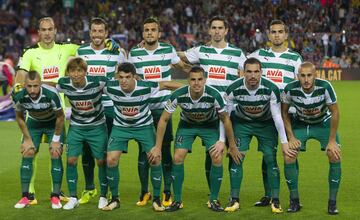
column 326, row 32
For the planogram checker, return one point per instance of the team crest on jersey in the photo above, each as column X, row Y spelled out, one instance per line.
column 152, row 72
column 130, row 110
column 311, row 111
column 275, row 75
column 84, row 105
column 253, row 109
column 217, row 72
column 51, row 72
column 97, row 70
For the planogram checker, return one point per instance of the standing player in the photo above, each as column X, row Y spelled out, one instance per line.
column 258, row 114
column 133, row 120
column 87, row 125
column 221, row 61
column 49, row 59
column 317, row 117
column 280, row 65
column 152, row 63
column 45, row 116
column 202, row 106
column 100, row 62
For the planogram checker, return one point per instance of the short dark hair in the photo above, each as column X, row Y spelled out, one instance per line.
column 252, row 60
column 152, row 20
column 276, row 21
column 218, row 18
column 32, row 75
column 99, row 20
column 75, row 63
column 197, row 69
column 126, row 68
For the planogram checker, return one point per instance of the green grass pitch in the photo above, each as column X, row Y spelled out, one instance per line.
column 313, row 179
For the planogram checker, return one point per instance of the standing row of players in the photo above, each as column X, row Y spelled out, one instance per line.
column 254, row 102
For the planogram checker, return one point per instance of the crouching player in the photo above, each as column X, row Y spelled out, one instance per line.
column 45, row 116
column 317, row 117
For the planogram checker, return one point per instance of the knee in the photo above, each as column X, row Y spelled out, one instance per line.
column 72, row 161
column 29, row 153
column 156, row 162
column 111, row 161
column 217, row 160
column 332, row 158
column 289, row 160
column 100, row 162
column 178, row 159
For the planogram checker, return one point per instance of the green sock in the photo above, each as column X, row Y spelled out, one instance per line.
column 334, row 179
column 265, row 179
column 72, row 178
column 113, row 178
column 102, row 180
column 26, row 173
column 88, row 164
column 143, row 170
column 216, row 174
column 34, row 171
column 291, row 177
column 208, row 163
column 166, row 163
column 156, row 179
column 273, row 175
column 56, row 174
column 178, row 179
column 236, row 175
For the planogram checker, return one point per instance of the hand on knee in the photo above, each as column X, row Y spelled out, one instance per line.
column 332, row 157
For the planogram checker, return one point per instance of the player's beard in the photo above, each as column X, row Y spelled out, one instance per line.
column 151, row 43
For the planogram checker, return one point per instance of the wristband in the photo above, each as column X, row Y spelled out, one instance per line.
column 56, row 138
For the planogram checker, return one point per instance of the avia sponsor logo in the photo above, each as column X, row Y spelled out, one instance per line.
column 97, row 70
column 253, row 109
column 217, row 72
column 152, row 72
column 51, row 72
column 130, row 111
column 275, row 75
column 84, row 105
column 311, row 111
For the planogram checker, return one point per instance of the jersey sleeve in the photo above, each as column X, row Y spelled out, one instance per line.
column 122, row 56
column 285, row 96
column 242, row 61
column 174, row 57
column 275, row 95
column 330, row 95
column 192, row 55
column 16, row 102
column 297, row 65
column 56, row 102
column 25, row 61
column 220, row 103
column 71, row 49
column 171, row 104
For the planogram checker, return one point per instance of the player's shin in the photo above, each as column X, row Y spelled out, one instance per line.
column 177, row 174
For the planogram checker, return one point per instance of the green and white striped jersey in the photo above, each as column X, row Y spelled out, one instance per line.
column 310, row 108
column 101, row 63
column 198, row 112
column 132, row 109
column 221, row 65
column 281, row 68
column 43, row 109
column 253, row 105
column 86, row 107
column 155, row 66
